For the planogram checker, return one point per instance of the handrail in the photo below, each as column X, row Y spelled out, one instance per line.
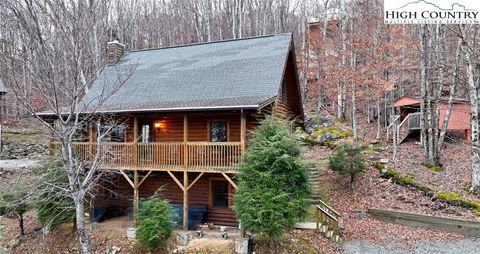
column 192, row 156
column 395, row 119
column 411, row 121
column 328, row 209
column 331, row 218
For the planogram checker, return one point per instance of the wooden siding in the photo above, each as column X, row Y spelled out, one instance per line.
column 198, row 125
column 290, row 106
column 121, row 194
column 460, row 117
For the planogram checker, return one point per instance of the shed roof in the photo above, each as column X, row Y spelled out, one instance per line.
column 404, row 101
column 241, row 73
column 407, row 101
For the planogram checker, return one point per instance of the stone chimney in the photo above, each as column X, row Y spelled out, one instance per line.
column 115, row 51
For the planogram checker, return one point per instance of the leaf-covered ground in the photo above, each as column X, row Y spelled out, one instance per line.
column 373, row 191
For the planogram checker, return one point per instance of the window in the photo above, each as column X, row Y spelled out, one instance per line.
column 118, row 134
column 145, row 135
column 218, row 132
column 81, row 134
column 113, row 133
column 284, row 90
column 219, row 194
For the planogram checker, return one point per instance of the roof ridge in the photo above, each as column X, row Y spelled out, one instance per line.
column 210, row 42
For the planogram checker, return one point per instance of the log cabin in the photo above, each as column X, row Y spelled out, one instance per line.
column 187, row 111
column 407, row 116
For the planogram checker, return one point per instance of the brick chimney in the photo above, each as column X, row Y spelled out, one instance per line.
column 115, row 51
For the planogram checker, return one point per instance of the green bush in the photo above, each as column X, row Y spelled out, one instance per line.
column 407, row 180
column 15, row 202
column 434, row 168
column 155, row 223
column 54, row 206
column 456, row 199
column 273, row 191
column 347, row 160
column 333, row 130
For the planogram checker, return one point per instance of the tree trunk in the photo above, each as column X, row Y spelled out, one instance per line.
column 474, row 105
column 85, row 241
column 378, row 121
column 352, row 179
column 423, row 74
column 20, row 224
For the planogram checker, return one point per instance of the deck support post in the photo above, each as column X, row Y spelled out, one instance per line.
column 185, row 173
column 242, row 131
column 135, row 195
column 243, row 127
column 185, row 200
column 135, row 185
column 230, row 180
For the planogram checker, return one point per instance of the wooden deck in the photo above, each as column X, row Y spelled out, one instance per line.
column 221, row 157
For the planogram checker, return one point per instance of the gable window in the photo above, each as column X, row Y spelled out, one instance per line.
column 284, row 90
column 218, row 132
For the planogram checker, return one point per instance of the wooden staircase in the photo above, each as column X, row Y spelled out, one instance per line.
column 410, row 123
column 329, row 222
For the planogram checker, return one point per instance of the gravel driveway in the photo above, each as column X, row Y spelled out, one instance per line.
column 463, row 246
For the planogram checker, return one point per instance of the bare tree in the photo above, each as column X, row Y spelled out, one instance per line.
column 52, row 45
column 468, row 34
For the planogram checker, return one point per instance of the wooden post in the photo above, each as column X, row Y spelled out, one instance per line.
column 91, row 138
column 242, row 130
column 185, row 173
column 135, row 129
column 135, row 140
column 135, row 195
column 185, row 200
column 468, row 135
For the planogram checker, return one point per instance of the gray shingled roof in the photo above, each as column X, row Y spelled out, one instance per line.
column 239, row 73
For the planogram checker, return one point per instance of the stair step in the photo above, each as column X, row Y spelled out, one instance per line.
column 329, row 234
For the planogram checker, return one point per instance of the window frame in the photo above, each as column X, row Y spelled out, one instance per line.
column 227, row 129
column 210, row 193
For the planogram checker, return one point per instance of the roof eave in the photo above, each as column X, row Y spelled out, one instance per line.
column 236, row 107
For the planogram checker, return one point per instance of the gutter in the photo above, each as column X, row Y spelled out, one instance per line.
column 163, row 109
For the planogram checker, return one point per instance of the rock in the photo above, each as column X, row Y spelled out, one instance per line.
column 183, row 238
column 360, row 215
column 14, row 243
column 17, row 150
column 313, row 123
column 383, row 161
column 131, row 232
column 327, row 137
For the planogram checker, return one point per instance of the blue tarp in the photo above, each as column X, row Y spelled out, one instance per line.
column 196, row 214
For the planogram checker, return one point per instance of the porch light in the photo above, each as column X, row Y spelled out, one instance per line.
column 158, row 126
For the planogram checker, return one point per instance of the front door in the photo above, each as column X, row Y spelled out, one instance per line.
column 220, row 194
column 145, row 150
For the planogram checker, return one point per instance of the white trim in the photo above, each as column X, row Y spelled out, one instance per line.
column 164, row 109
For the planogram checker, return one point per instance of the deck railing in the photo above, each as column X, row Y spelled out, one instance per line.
column 176, row 156
column 395, row 122
column 411, row 122
column 330, row 220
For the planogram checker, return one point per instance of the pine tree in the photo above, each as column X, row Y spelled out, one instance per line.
column 347, row 160
column 273, row 191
